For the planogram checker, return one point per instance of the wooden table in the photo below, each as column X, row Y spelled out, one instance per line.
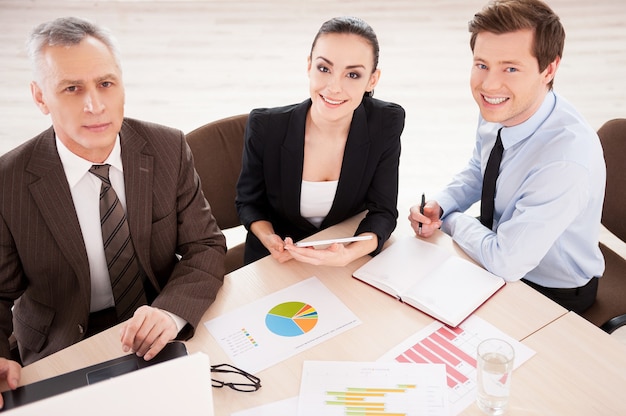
column 385, row 323
column 578, row 369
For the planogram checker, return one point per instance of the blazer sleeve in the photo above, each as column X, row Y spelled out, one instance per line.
column 187, row 247
column 11, row 286
column 382, row 194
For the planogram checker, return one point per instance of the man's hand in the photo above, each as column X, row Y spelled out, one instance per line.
column 10, row 371
column 429, row 219
column 147, row 332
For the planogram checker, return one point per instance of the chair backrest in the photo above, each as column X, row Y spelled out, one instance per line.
column 613, row 138
column 217, row 148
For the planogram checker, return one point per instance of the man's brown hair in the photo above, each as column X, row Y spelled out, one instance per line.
column 505, row 16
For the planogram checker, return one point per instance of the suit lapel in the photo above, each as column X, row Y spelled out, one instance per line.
column 353, row 167
column 292, row 160
column 138, row 182
column 53, row 198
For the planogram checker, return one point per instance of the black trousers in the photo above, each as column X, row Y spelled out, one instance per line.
column 577, row 299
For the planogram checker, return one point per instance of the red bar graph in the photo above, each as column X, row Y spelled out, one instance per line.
column 454, row 348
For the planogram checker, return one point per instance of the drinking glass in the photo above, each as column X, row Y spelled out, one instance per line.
column 495, row 366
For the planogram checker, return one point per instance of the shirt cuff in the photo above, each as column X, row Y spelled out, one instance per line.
column 447, row 225
column 178, row 321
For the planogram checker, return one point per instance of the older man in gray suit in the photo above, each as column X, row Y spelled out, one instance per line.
column 54, row 277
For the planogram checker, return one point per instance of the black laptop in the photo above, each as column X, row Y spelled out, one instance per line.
column 88, row 375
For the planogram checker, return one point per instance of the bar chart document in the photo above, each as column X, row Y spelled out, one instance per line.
column 341, row 388
column 278, row 326
column 456, row 349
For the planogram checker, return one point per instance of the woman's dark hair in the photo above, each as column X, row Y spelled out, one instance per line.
column 350, row 25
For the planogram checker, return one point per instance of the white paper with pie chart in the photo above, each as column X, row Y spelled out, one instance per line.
column 290, row 319
column 275, row 327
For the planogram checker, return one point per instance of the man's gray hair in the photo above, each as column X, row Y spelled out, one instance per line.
column 66, row 31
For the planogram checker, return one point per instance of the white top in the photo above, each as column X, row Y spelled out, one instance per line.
column 316, row 198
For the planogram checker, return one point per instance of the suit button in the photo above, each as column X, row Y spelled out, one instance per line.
column 81, row 329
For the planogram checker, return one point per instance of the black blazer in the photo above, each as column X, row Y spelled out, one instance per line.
column 270, row 181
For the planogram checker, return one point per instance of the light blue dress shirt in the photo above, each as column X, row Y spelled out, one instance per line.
column 548, row 202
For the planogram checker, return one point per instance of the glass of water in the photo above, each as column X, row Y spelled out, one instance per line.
column 495, row 366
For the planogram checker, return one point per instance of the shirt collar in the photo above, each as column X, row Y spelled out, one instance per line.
column 76, row 167
column 515, row 134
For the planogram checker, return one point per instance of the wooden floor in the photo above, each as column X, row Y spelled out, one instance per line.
column 190, row 62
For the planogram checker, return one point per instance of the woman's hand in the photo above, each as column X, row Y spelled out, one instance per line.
column 276, row 247
column 336, row 254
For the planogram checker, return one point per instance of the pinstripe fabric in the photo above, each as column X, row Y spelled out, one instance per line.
column 43, row 260
column 124, row 272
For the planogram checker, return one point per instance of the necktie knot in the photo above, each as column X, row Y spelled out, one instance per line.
column 102, row 172
column 498, row 147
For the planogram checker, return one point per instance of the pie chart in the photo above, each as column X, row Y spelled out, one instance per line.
column 291, row 319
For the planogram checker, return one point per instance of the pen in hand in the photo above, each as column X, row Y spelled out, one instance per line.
column 419, row 227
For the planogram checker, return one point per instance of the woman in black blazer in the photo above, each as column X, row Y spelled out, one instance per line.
column 312, row 165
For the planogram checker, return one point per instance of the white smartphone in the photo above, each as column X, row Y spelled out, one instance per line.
column 334, row 240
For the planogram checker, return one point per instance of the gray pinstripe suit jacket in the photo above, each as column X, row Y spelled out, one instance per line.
column 44, row 270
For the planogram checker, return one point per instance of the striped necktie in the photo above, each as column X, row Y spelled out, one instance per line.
column 124, row 271
column 489, row 183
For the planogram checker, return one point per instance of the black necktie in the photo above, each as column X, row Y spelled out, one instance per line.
column 124, row 272
column 489, row 183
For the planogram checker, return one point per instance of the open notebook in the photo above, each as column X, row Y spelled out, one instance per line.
column 430, row 278
column 88, row 375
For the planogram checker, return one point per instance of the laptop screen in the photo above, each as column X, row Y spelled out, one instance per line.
column 88, row 375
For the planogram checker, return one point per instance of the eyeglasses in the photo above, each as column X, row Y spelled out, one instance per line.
column 253, row 385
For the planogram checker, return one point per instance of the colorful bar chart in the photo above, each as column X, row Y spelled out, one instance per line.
column 347, row 388
column 366, row 401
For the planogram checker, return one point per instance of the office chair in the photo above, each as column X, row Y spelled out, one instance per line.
column 609, row 310
column 217, row 148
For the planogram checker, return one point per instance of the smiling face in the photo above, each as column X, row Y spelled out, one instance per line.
column 505, row 79
column 81, row 88
column 341, row 70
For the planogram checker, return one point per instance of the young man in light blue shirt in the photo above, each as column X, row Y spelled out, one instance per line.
column 550, row 188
